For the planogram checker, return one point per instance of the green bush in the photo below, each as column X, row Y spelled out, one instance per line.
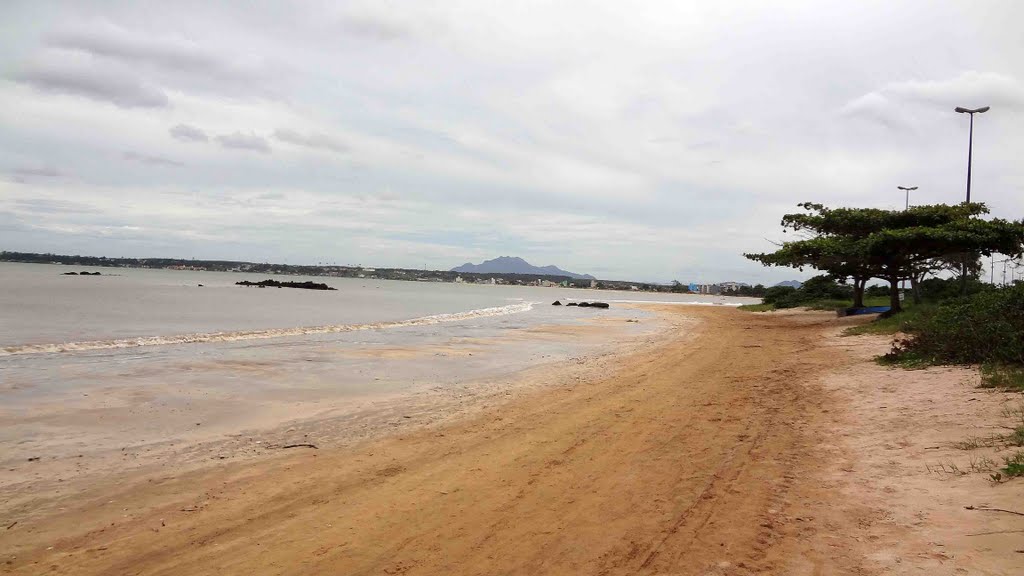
column 825, row 288
column 987, row 327
column 877, row 291
column 818, row 289
column 938, row 289
column 776, row 293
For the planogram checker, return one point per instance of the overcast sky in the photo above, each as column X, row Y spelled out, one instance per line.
column 630, row 140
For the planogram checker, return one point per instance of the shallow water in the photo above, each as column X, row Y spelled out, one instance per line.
column 137, row 357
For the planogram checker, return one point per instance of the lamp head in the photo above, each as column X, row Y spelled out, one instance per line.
column 963, row 110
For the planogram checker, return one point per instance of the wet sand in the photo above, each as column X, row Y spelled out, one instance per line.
column 191, row 411
column 753, row 444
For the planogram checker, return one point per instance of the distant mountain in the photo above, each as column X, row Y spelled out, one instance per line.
column 791, row 283
column 514, row 265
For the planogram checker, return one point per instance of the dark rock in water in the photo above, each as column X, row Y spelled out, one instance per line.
column 70, row 274
column 584, row 304
column 200, row 285
column 84, row 273
column 572, row 304
column 599, row 305
column 556, row 303
column 277, row 284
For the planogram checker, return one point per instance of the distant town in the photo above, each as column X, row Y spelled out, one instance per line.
column 407, row 274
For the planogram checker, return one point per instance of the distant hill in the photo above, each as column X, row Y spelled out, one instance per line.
column 791, row 283
column 515, row 265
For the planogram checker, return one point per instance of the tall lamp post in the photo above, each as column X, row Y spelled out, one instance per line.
column 970, row 141
column 908, row 194
column 907, row 190
column 970, row 147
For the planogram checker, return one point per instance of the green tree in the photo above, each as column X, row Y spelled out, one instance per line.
column 865, row 243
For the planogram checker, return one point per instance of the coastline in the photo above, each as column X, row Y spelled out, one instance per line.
column 514, row 363
column 755, row 443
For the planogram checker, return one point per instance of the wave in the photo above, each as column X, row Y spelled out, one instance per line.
column 678, row 302
column 261, row 334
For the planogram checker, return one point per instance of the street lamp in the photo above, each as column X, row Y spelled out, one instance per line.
column 970, row 146
column 970, row 141
column 908, row 193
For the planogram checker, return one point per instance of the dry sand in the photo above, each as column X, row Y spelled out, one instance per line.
column 761, row 444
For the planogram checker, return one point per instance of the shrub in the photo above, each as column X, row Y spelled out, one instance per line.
column 825, row 288
column 817, row 289
column 987, row 327
column 877, row 291
column 776, row 293
column 938, row 289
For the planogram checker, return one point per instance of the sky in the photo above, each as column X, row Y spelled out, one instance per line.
column 645, row 141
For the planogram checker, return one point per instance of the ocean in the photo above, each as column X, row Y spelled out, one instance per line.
column 148, row 361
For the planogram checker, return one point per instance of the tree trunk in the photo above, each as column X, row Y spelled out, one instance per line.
column 894, row 296
column 858, row 292
column 915, row 288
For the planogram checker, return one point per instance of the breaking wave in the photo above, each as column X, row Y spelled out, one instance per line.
column 261, row 334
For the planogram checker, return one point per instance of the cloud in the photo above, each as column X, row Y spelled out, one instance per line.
column 94, row 82
column 656, row 140
column 972, row 89
column 187, row 133
column 312, row 140
column 240, row 141
column 151, row 160
column 375, row 26
column 36, row 171
column 898, row 103
column 110, row 41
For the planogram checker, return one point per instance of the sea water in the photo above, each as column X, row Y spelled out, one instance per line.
column 140, row 356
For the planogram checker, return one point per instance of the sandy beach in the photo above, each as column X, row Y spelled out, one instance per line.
column 744, row 444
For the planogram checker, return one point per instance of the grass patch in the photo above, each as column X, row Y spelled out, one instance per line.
column 1014, row 467
column 975, row 442
column 1003, row 376
column 757, row 307
column 905, row 321
column 825, row 304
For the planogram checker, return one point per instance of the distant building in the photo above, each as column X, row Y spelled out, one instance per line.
column 694, row 287
column 593, row 283
column 459, row 280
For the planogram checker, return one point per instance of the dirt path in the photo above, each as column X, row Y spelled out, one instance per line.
column 706, row 455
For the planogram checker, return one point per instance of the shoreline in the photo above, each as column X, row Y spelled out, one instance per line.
column 53, row 473
column 753, row 444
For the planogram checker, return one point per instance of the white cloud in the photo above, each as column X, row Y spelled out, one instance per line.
column 240, row 141
column 651, row 141
column 312, row 140
column 187, row 133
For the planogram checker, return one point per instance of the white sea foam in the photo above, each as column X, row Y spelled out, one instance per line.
column 262, row 334
column 677, row 302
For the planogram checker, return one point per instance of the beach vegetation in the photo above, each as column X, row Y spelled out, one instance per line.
column 1013, row 467
column 984, row 328
column 859, row 244
column 1003, row 376
column 757, row 307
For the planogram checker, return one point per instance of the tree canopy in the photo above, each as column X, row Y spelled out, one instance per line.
column 865, row 243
